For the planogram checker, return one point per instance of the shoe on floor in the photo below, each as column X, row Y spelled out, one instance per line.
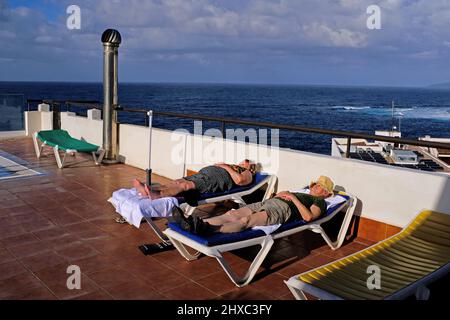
column 120, row 220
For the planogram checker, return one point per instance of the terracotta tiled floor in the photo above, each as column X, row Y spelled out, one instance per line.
column 62, row 218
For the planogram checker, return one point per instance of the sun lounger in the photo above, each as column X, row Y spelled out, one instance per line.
column 216, row 244
column 408, row 262
column 236, row 194
column 61, row 140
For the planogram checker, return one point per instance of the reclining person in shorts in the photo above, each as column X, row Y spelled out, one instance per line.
column 282, row 208
column 220, row 177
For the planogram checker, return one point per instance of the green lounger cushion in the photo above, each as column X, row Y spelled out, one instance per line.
column 414, row 253
column 64, row 141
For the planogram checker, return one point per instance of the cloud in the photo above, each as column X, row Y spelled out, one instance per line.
column 211, row 33
column 322, row 34
column 430, row 54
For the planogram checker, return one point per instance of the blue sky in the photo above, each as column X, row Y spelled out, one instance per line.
column 51, row 9
column 231, row 41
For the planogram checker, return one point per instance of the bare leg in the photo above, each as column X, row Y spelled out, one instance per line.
column 140, row 187
column 152, row 194
column 177, row 187
column 229, row 216
column 170, row 184
column 172, row 189
column 255, row 219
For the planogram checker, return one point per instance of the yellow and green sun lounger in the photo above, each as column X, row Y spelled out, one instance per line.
column 404, row 264
column 61, row 140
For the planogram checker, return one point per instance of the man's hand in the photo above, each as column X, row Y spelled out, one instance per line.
column 286, row 195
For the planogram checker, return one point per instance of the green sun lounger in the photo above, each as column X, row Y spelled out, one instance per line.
column 61, row 140
column 406, row 262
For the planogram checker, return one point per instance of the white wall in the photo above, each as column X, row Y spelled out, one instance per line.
column 83, row 128
column 12, row 134
column 387, row 194
column 37, row 120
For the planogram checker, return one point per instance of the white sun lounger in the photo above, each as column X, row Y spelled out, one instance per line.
column 407, row 262
column 216, row 244
column 236, row 194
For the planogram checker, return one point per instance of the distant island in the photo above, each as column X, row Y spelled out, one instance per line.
column 445, row 85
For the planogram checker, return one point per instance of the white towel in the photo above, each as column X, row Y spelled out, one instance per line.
column 133, row 207
column 331, row 201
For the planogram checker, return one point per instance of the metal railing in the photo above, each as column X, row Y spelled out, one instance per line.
column 224, row 121
column 11, row 107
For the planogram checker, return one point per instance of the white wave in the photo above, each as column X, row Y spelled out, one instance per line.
column 404, row 112
column 356, row 108
column 350, row 108
column 418, row 113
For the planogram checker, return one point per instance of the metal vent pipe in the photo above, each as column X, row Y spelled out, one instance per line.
column 111, row 40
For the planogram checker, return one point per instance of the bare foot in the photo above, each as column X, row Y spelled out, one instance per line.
column 140, row 187
column 152, row 195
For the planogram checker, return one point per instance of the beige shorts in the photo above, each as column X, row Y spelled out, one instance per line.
column 277, row 210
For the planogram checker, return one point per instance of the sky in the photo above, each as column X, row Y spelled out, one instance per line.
column 230, row 41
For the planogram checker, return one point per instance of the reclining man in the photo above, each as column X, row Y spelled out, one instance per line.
column 220, row 177
column 282, row 208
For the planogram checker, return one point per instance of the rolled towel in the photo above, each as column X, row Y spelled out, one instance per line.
column 133, row 207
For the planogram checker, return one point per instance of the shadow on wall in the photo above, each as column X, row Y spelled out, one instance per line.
column 352, row 232
column 443, row 204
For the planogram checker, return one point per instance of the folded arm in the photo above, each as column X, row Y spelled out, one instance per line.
column 308, row 214
column 240, row 179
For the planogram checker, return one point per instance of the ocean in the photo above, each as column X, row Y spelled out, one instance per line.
column 418, row 111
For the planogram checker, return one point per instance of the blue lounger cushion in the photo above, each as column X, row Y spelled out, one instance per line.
column 222, row 238
column 193, row 200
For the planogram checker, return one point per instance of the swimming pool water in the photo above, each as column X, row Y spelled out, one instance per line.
column 12, row 167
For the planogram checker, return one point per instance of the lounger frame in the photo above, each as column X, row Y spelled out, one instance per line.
column 419, row 288
column 237, row 197
column 266, row 242
column 97, row 156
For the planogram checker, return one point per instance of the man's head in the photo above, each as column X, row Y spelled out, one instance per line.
column 247, row 164
column 323, row 187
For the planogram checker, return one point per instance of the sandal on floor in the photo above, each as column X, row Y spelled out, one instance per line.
column 120, row 220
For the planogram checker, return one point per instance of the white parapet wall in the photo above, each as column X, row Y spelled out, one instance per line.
column 386, row 194
column 90, row 130
column 37, row 120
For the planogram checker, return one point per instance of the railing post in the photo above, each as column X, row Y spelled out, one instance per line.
column 223, row 129
column 56, row 115
column 349, row 144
